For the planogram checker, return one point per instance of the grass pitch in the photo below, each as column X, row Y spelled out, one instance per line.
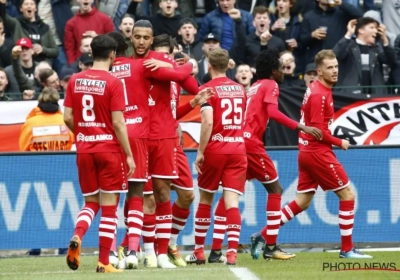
column 304, row 266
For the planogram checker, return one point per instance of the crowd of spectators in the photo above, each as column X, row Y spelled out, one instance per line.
column 43, row 43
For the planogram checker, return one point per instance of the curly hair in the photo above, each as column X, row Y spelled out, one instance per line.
column 164, row 40
column 266, row 62
column 122, row 46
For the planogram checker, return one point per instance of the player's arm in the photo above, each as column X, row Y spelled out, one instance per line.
column 120, row 131
column 164, row 71
column 317, row 111
column 199, row 99
column 206, row 126
column 69, row 118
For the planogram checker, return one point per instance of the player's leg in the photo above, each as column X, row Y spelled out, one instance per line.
column 183, row 187
column 149, row 226
column 216, row 255
column 90, row 190
column 163, row 169
column 208, row 182
column 233, row 182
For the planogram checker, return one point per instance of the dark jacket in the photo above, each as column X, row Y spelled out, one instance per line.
column 193, row 50
column 164, row 25
column 335, row 19
column 350, row 72
column 212, row 23
column 61, row 13
column 253, row 47
column 5, row 52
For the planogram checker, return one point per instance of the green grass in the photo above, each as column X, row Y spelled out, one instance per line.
column 304, row 266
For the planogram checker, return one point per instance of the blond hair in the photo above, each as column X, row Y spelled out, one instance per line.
column 219, row 59
column 49, row 94
column 324, row 54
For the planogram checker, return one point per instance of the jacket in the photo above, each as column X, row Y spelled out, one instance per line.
column 61, row 13
column 192, row 50
column 17, row 80
column 350, row 69
column 5, row 52
column 164, row 25
column 45, row 130
column 253, row 47
column 212, row 23
column 79, row 24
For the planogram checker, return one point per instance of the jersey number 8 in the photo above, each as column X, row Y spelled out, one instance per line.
column 232, row 105
column 87, row 111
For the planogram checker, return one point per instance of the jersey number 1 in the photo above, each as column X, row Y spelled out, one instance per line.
column 232, row 105
column 87, row 111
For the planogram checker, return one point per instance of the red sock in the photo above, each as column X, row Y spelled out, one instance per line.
column 201, row 224
column 346, row 221
column 219, row 226
column 273, row 219
column 85, row 218
column 179, row 218
column 289, row 211
column 233, row 226
column 149, row 232
column 163, row 226
column 125, row 241
column 114, row 243
column 135, row 222
column 107, row 227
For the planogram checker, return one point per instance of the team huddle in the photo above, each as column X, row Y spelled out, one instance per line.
column 124, row 113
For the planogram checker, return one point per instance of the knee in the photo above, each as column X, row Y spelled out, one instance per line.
column 186, row 198
column 149, row 205
column 274, row 188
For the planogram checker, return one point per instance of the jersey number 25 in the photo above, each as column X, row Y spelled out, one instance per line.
column 232, row 105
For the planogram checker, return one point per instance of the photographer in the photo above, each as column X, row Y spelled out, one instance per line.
column 361, row 60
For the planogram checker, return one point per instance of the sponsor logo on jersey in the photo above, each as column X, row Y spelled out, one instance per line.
column 131, row 108
column 372, row 122
column 247, row 135
column 121, row 71
column 93, row 138
column 303, row 142
column 252, row 90
column 134, row 120
column 230, row 91
column 218, row 137
column 90, row 86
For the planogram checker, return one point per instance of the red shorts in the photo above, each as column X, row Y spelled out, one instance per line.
column 148, row 187
column 261, row 168
column 162, row 158
column 139, row 149
column 228, row 169
column 321, row 169
column 185, row 180
column 102, row 171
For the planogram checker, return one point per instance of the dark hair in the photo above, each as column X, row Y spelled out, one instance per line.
column 128, row 16
column 260, row 10
column 45, row 74
column 122, row 46
column 1, row 20
column 187, row 21
column 362, row 22
column 266, row 62
column 102, row 46
column 164, row 40
column 143, row 23
column 22, row 2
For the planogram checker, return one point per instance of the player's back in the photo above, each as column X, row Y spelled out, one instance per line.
column 229, row 106
column 258, row 96
column 317, row 108
column 136, row 90
column 92, row 95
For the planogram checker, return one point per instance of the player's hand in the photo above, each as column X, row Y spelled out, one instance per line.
column 199, row 162
column 131, row 165
column 183, row 60
column 315, row 132
column 234, row 14
column 154, row 64
column 345, row 144
column 203, row 96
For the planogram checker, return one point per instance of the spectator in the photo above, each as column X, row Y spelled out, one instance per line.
column 187, row 34
column 167, row 20
column 30, row 25
column 222, row 21
column 377, row 16
column 65, row 75
column 126, row 28
column 361, row 60
column 301, row 7
column 85, row 61
column 261, row 39
column 244, row 76
column 44, row 129
column 49, row 78
column 84, row 48
column 56, row 14
column 292, row 79
column 324, row 26
column 87, row 22
column 310, row 75
column 6, row 45
column 3, row 86
column 391, row 15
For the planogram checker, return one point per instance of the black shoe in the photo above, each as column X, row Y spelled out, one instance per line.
column 215, row 257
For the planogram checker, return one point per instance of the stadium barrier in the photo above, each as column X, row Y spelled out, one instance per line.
column 40, row 199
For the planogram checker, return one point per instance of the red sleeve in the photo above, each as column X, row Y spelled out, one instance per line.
column 271, row 95
column 183, row 110
column 190, row 85
column 278, row 116
column 327, row 137
column 68, row 94
column 178, row 74
column 109, row 26
column 117, row 101
column 69, row 42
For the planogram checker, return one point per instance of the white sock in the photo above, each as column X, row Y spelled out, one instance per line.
column 172, row 240
column 149, row 249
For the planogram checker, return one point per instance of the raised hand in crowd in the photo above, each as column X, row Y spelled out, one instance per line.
column 382, row 34
column 28, row 94
column 16, row 52
column 234, row 14
column 231, row 64
column 265, row 37
column 319, row 33
column 278, row 25
column 351, row 28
